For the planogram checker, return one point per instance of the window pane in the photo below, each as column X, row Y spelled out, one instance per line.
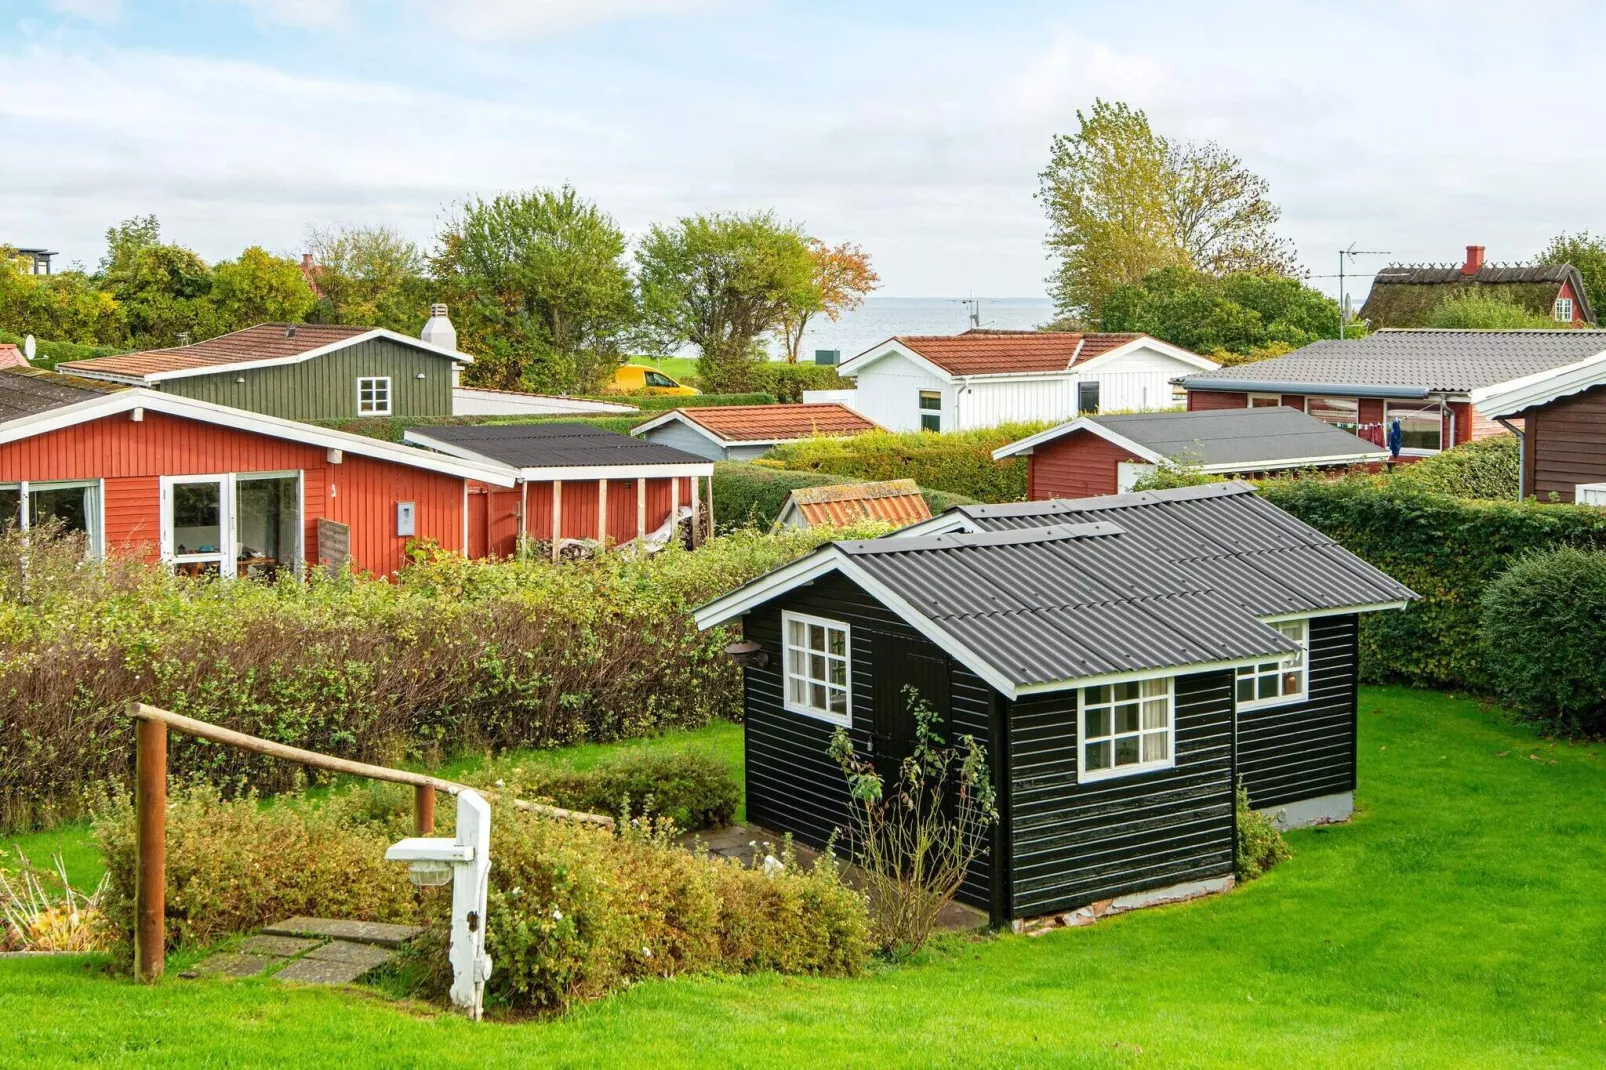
column 1087, row 398
column 1246, row 689
column 794, row 632
column 10, row 506
column 931, row 400
column 816, row 637
column 816, row 666
column 1156, row 746
column 1268, row 687
column 1294, row 629
column 197, row 518
column 1097, row 756
column 794, row 662
column 930, row 422
column 1126, row 692
column 1154, row 713
column 839, row 673
column 1096, row 722
column 65, row 506
column 1421, row 426
column 1096, row 695
column 838, row 642
column 794, row 689
column 268, row 520
column 1155, row 688
column 1126, row 751
column 1126, row 717
column 817, row 696
column 839, row 703
column 1293, row 682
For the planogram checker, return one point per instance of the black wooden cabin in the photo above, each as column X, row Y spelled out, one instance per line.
column 1124, row 660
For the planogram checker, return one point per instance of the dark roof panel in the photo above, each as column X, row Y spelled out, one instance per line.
column 1247, row 437
column 32, row 391
column 551, row 445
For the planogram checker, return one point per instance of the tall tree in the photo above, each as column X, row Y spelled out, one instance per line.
column 1123, row 201
column 369, row 276
column 164, row 290
column 843, row 278
column 258, row 287
column 1587, row 253
column 720, row 283
column 543, row 283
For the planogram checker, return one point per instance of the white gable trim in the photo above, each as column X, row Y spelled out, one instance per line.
column 1081, row 423
column 892, row 347
column 1186, row 356
column 1540, row 388
column 206, row 412
column 267, row 362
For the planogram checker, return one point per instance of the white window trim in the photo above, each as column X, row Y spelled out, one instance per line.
column 1275, row 399
column 1084, row 776
column 94, row 520
column 1282, row 700
column 787, row 617
column 1563, row 303
column 1098, row 401
column 921, row 412
column 228, row 555
column 386, row 411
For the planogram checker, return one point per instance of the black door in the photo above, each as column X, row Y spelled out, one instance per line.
column 900, row 663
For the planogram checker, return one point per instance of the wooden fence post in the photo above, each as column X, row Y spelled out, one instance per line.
column 423, row 809
column 150, row 849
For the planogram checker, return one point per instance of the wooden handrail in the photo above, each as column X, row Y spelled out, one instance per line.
column 256, row 744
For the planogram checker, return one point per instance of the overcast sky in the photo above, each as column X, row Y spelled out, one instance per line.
column 915, row 128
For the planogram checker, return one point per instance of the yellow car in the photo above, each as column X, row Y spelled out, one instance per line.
column 640, row 379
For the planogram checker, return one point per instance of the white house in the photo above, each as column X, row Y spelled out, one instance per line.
column 983, row 378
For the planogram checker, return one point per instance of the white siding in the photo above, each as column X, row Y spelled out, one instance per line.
column 889, row 393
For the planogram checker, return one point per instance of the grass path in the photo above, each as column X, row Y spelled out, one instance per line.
column 1459, row 920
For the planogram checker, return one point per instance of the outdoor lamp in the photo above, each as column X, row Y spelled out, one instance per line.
column 465, row 862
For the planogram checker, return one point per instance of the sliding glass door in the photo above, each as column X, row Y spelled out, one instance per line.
column 232, row 524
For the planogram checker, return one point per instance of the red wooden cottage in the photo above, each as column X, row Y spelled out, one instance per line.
column 212, row 489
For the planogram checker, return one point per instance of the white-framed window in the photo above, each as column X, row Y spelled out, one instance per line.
column 1087, row 397
column 1264, row 401
column 931, row 410
column 74, row 504
column 818, row 667
column 1340, row 412
column 373, row 395
column 1564, row 309
column 1126, row 728
column 1273, row 683
column 1421, row 425
column 232, row 524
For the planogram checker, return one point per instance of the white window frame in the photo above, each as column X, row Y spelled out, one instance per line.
column 1098, row 397
column 1275, row 399
column 788, row 618
column 371, row 383
column 94, row 511
column 1563, row 309
column 1418, row 451
column 227, row 556
column 1277, row 668
column 924, row 412
column 1087, row 776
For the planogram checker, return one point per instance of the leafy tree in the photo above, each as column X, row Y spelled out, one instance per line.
column 1123, row 201
column 543, row 285
column 368, row 276
column 843, row 278
column 1585, row 252
column 259, row 287
column 1230, row 318
column 1488, row 312
column 65, row 306
column 720, row 283
column 164, row 290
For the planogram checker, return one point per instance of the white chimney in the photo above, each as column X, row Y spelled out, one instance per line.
column 439, row 330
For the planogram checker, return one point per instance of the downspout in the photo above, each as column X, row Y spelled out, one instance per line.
column 1522, row 455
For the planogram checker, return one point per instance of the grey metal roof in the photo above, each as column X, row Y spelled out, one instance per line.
column 1246, row 437
column 1440, row 361
column 1062, row 602
column 1226, row 538
column 31, row 391
column 551, row 445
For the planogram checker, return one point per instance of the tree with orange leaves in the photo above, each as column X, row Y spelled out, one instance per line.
column 842, row 278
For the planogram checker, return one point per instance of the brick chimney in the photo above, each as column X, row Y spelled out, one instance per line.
column 1474, row 260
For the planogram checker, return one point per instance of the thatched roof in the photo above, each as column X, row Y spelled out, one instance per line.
column 1405, row 295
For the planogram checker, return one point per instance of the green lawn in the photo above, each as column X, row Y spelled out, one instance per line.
column 1457, row 921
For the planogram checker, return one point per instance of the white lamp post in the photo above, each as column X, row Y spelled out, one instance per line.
column 466, row 862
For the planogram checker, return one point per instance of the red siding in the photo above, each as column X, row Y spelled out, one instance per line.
column 1567, row 292
column 1216, row 399
column 130, row 456
column 580, row 502
column 1079, row 465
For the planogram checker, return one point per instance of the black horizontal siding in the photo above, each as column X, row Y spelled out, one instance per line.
column 1306, row 749
column 1073, row 844
column 792, row 785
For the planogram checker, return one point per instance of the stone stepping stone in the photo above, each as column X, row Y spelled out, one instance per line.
column 357, row 932
column 309, row 970
column 283, row 947
column 365, row 955
column 230, row 964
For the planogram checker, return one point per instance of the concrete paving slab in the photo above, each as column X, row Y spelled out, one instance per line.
column 358, row 932
column 322, row 972
column 368, row 955
column 280, row 946
column 230, row 964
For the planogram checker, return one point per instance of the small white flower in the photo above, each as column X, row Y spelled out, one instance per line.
column 516, row 892
column 557, row 915
column 646, row 952
column 501, row 783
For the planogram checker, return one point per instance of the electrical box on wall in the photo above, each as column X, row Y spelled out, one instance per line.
column 406, row 521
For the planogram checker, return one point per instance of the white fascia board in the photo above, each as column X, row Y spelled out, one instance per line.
column 1186, row 356
column 1540, row 388
column 756, row 592
column 1081, row 423
column 953, row 520
column 1138, row 674
column 855, row 365
column 1334, row 611
column 255, row 423
column 1367, row 457
column 298, row 358
column 580, row 473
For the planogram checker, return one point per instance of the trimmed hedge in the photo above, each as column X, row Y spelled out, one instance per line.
column 693, row 790
column 1485, row 469
column 1449, row 550
column 751, row 495
column 959, row 462
column 788, row 381
column 662, row 403
column 48, row 354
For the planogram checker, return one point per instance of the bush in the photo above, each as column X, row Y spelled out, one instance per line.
column 1258, row 845
column 1488, row 468
column 456, row 654
column 1473, row 310
column 752, row 494
column 48, row 354
column 1446, row 549
column 788, row 381
column 663, row 403
column 1543, row 633
column 959, row 462
column 695, row 791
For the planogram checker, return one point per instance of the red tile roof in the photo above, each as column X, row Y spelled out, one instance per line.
column 767, row 423
column 988, row 352
column 265, row 341
column 896, row 501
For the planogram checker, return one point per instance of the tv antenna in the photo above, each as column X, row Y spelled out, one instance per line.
column 973, row 307
column 1345, row 256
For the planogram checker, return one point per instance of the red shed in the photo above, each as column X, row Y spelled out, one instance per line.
column 217, row 490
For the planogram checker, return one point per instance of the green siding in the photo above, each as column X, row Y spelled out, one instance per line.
column 325, row 388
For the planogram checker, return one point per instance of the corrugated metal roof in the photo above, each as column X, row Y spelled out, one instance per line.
column 896, row 501
column 1227, row 539
column 1246, row 437
column 1064, row 602
column 1438, row 360
column 553, row 445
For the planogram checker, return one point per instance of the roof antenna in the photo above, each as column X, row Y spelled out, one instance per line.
column 1343, row 296
column 973, row 306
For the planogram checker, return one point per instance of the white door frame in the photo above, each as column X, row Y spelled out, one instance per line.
column 227, row 556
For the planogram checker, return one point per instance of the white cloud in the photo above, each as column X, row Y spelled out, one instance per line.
column 307, row 14
column 502, row 20
column 94, row 10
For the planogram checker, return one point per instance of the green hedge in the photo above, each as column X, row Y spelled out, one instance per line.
column 1449, row 550
column 694, row 790
column 1485, row 469
column 662, row 403
column 959, row 462
column 751, row 495
column 788, row 381
column 48, row 354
